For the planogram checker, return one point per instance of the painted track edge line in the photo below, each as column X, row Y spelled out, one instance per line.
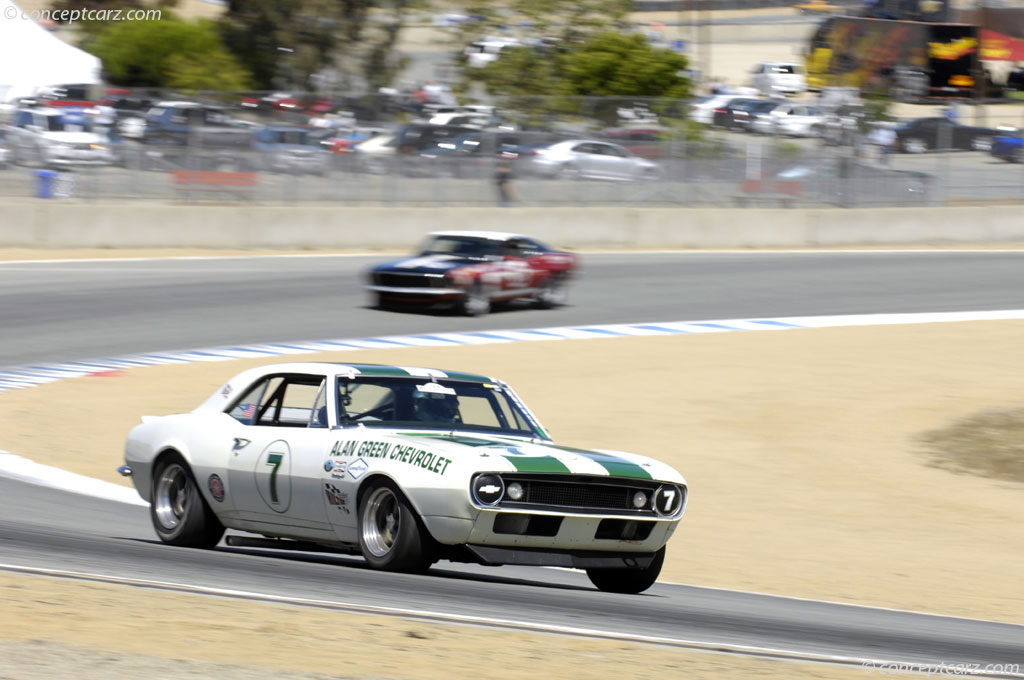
column 509, row 624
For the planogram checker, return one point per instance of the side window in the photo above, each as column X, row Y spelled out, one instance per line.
column 290, row 404
column 584, row 148
column 245, row 408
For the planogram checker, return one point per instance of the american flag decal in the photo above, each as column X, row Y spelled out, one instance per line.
column 248, row 410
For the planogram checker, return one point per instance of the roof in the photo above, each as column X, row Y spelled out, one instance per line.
column 490, row 235
column 337, row 368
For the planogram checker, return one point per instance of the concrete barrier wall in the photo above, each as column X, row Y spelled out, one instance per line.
column 53, row 224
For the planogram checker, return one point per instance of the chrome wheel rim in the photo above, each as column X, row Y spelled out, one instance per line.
column 554, row 293
column 381, row 522
column 477, row 303
column 172, row 496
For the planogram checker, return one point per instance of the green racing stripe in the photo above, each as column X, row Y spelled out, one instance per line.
column 537, row 464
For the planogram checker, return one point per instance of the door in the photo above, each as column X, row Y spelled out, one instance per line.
column 277, row 460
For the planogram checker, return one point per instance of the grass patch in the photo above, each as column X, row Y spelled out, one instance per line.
column 989, row 444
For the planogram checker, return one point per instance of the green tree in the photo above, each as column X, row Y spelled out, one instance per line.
column 284, row 42
column 615, row 65
column 167, row 53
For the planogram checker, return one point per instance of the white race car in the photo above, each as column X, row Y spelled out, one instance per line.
column 405, row 466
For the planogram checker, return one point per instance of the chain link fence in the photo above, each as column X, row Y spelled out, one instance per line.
column 533, row 151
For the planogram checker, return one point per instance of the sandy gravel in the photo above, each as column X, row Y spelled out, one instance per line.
column 197, row 637
column 799, row 446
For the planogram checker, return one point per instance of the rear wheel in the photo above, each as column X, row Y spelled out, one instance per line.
column 630, row 581
column 391, row 536
column 553, row 292
column 1018, row 155
column 179, row 513
column 914, row 145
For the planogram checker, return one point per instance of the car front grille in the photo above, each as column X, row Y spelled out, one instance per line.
column 409, row 280
column 580, row 494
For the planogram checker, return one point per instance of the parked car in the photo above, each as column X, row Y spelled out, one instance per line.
column 789, row 118
column 290, row 150
column 184, row 123
column 703, row 110
column 482, row 52
column 739, row 113
column 472, row 269
column 1008, row 148
column 474, row 155
column 779, row 77
column 404, row 466
column 58, row 138
column 646, row 142
column 929, row 134
column 592, row 159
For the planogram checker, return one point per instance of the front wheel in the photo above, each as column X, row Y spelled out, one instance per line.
column 390, row 534
column 629, row 581
column 476, row 302
column 981, row 144
column 553, row 292
column 178, row 511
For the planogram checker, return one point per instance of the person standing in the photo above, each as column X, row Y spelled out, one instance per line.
column 503, row 179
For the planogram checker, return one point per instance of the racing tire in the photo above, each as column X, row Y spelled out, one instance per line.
column 981, row 144
column 628, row 581
column 1018, row 155
column 914, row 145
column 553, row 293
column 179, row 513
column 391, row 534
column 476, row 301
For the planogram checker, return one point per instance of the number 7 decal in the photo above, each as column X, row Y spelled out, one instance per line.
column 274, row 484
column 274, row 460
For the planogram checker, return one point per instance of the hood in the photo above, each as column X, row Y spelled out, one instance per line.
column 425, row 264
column 513, row 454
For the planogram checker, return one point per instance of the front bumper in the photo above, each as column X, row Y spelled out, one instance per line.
column 574, row 559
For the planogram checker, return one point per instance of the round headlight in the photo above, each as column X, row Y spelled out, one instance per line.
column 515, row 491
column 488, row 489
column 639, row 500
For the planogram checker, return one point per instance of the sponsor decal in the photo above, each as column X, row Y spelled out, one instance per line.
column 408, row 454
column 358, row 468
column 216, row 488
column 226, row 391
column 328, row 465
column 336, row 498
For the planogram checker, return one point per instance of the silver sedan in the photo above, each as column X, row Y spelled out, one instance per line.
column 576, row 159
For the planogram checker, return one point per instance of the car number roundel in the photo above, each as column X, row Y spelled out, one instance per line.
column 273, row 476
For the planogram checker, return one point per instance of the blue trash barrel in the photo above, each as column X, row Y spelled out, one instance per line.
column 44, row 183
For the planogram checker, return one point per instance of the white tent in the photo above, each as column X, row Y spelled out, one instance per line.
column 32, row 58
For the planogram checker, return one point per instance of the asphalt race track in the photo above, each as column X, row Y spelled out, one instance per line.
column 69, row 311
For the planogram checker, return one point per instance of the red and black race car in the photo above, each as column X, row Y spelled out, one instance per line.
column 471, row 270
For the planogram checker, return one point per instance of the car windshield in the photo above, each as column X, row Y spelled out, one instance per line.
column 466, row 246
column 411, row 402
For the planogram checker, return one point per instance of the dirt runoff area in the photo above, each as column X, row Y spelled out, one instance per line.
column 801, row 449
